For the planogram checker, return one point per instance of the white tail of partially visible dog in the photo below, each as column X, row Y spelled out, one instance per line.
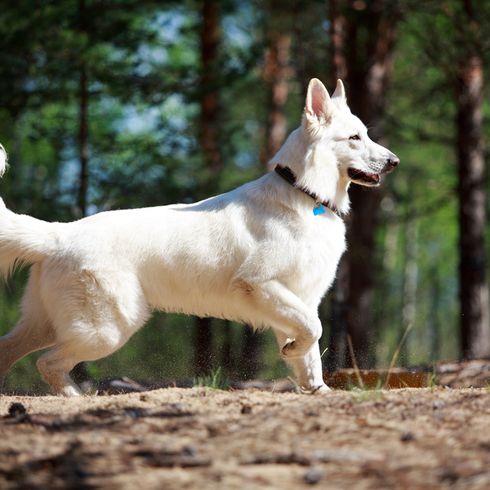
column 264, row 253
column 3, row 160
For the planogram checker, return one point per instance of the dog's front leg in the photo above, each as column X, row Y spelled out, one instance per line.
column 308, row 370
column 277, row 306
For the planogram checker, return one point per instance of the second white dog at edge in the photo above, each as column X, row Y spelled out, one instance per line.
column 263, row 254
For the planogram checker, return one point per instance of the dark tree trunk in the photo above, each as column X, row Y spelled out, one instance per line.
column 338, row 26
column 203, row 347
column 83, row 142
column 362, row 41
column 336, row 353
column 277, row 73
column 209, row 138
column 474, row 326
column 226, row 357
column 249, row 365
column 80, row 372
column 83, row 122
column 210, row 147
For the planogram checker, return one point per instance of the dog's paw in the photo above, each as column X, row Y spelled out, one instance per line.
column 321, row 390
column 318, row 390
column 68, row 391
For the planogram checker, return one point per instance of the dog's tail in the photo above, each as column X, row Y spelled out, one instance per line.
column 3, row 160
column 23, row 239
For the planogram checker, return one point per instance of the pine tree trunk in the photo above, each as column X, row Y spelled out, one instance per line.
column 83, row 121
column 80, row 372
column 209, row 138
column 83, row 142
column 362, row 41
column 276, row 76
column 210, row 147
column 474, row 324
column 277, row 73
column 336, row 354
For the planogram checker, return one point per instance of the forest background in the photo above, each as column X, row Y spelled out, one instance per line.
column 129, row 103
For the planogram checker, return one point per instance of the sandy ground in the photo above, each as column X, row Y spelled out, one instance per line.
column 209, row 439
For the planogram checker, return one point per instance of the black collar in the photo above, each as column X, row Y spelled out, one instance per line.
column 288, row 175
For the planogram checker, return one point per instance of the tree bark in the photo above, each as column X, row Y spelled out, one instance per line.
column 83, row 121
column 362, row 41
column 277, row 73
column 336, row 354
column 80, row 372
column 209, row 138
column 210, row 147
column 473, row 290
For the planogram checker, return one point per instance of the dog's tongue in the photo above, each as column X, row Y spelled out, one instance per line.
column 355, row 174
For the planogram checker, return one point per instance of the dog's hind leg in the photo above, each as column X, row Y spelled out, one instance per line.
column 93, row 316
column 55, row 366
column 97, row 342
column 33, row 331
column 26, row 337
column 307, row 369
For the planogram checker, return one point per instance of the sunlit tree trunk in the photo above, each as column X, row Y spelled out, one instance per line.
column 210, row 147
column 473, row 291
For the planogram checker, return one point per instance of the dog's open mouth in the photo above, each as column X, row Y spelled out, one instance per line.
column 363, row 178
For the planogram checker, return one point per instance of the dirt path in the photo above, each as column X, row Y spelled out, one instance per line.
column 206, row 439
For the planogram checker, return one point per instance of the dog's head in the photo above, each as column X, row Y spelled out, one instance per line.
column 332, row 129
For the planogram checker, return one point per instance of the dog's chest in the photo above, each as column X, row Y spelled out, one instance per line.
column 319, row 245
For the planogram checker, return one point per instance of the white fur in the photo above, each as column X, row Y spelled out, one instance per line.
column 256, row 254
column 3, row 160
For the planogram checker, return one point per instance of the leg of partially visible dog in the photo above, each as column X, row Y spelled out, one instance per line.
column 307, row 369
column 33, row 331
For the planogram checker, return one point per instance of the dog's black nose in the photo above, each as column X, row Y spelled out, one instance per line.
column 393, row 161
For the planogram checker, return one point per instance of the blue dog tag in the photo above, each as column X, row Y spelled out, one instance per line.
column 320, row 209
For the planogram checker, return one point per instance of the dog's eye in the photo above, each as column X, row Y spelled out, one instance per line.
column 355, row 137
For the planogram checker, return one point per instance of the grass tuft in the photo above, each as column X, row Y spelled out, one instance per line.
column 215, row 380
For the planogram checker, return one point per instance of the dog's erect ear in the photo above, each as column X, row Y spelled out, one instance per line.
column 319, row 106
column 339, row 95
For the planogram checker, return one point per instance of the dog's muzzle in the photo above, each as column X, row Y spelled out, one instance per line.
column 373, row 179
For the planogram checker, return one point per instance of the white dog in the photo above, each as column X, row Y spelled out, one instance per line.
column 263, row 254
